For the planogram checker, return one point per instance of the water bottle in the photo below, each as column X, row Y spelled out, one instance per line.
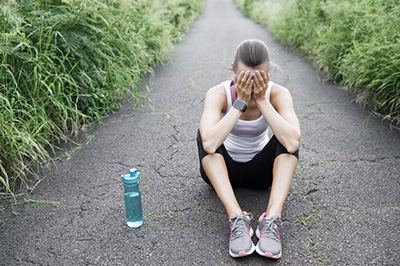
column 133, row 201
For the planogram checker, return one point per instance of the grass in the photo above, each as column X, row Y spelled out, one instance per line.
column 41, row 201
column 355, row 43
column 66, row 63
column 156, row 217
column 201, row 208
column 304, row 220
column 307, row 221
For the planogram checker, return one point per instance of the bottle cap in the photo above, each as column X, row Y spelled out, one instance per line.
column 132, row 177
column 132, row 171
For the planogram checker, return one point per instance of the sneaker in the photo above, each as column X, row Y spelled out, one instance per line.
column 240, row 243
column 269, row 235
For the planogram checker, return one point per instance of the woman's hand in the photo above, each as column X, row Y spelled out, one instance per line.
column 244, row 86
column 261, row 80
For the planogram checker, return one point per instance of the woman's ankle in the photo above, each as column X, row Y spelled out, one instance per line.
column 233, row 212
column 272, row 211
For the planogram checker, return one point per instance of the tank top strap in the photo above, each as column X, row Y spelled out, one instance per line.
column 233, row 92
column 227, row 85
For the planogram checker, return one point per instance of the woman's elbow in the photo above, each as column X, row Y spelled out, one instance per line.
column 293, row 147
column 208, row 147
column 294, row 144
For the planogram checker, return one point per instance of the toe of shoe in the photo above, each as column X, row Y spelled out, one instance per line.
column 236, row 253
column 273, row 254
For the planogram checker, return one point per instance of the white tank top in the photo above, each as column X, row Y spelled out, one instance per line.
column 248, row 137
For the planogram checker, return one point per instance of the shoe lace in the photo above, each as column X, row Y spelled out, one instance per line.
column 271, row 229
column 238, row 226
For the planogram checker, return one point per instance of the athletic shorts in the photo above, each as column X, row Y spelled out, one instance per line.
column 256, row 173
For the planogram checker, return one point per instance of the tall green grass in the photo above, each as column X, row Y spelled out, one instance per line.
column 356, row 43
column 64, row 63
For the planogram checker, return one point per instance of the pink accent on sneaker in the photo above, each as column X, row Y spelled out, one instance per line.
column 233, row 215
column 248, row 231
column 270, row 255
column 242, row 254
column 247, row 216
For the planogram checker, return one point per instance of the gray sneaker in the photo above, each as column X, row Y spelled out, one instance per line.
column 240, row 243
column 268, row 233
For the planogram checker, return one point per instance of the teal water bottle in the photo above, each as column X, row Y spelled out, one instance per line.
column 133, row 201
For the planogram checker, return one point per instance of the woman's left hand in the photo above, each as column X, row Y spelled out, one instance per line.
column 261, row 80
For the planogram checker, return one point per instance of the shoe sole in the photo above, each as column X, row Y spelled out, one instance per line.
column 244, row 253
column 266, row 254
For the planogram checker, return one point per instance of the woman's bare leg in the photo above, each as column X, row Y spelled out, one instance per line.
column 215, row 168
column 283, row 172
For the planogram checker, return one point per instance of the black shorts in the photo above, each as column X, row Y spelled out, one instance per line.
column 257, row 173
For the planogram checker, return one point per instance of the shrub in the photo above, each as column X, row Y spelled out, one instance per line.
column 356, row 43
column 68, row 62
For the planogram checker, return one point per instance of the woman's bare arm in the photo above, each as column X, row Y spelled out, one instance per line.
column 213, row 129
column 282, row 118
column 279, row 112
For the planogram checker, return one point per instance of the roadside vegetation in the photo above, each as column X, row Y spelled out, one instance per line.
column 65, row 63
column 355, row 43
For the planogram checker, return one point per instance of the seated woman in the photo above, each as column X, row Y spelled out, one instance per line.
column 249, row 137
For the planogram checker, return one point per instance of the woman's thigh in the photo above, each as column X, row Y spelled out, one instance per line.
column 256, row 174
column 259, row 169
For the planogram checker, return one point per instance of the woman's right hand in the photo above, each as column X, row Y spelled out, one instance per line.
column 244, row 86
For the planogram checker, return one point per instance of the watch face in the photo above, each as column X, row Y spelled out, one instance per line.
column 240, row 105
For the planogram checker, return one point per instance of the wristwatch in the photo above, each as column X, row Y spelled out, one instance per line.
column 240, row 105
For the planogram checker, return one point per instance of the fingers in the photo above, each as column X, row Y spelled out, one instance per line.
column 244, row 85
column 251, row 86
column 259, row 79
column 256, row 82
column 243, row 80
column 239, row 78
column 265, row 76
column 252, row 82
column 259, row 82
column 246, row 77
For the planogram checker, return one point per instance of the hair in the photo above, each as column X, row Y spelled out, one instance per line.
column 252, row 53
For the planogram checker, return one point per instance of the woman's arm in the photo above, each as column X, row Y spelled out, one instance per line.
column 283, row 120
column 279, row 112
column 213, row 129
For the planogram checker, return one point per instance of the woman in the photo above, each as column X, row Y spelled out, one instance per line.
column 249, row 137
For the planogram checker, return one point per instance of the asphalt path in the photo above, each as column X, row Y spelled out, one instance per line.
column 343, row 207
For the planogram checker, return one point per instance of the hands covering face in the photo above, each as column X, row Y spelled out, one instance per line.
column 251, row 85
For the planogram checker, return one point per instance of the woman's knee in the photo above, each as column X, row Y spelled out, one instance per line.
column 294, row 157
column 212, row 159
column 211, row 164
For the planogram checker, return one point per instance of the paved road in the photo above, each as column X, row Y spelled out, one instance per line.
column 343, row 208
